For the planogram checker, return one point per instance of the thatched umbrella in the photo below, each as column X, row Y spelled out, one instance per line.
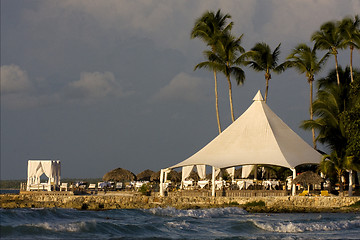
column 193, row 175
column 155, row 177
column 119, row 175
column 145, row 175
column 307, row 178
column 172, row 175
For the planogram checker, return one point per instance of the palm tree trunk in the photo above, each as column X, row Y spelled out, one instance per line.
column 337, row 71
column 340, row 185
column 230, row 99
column 217, row 103
column 267, row 89
column 351, row 68
column 311, row 112
column 350, row 182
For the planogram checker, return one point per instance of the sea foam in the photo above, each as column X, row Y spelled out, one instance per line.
column 291, row 227
column 196, row 213
column 65, row 227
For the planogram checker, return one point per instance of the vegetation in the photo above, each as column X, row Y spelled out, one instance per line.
column 209, row 27
column 226, row 61
column 304, row 60
column 334, row 114
column 355, row 205
column 349, row 31
column 145, row 189
column 337, row 123
column 11, row 184
column 263, row 60
column 329, row 38
column 255, row 204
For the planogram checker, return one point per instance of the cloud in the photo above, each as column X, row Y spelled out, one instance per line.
column 297, row 20
column 183, row 87
column 94, row 85
column 16, row 88
column 14, row 79
column 168, row 23
column 18, row 91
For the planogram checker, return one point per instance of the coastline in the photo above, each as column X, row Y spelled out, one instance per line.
column 133, row 200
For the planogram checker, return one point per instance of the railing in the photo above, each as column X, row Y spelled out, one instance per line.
column 230, row 193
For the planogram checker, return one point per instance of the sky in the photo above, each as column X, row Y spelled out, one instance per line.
column 105, row 84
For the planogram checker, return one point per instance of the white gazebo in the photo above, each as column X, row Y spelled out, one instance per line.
column 36, row 168
column 258, row 136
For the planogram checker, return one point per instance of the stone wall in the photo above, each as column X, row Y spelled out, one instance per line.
column 132, row 200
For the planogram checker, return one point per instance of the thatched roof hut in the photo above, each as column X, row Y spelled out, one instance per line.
column 119, row 175
column 145, row 175
column 174, row 176
column 155, row 177
column 308, row 178
column 193, row 175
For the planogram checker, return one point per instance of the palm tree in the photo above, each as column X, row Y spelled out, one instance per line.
column 304, row 60
column 262, row 59
column 334, row 163
column 227, row 50
column 331, row 107
column 209, row 27
column 349, row 31
column 327, row 107
column 329, row 38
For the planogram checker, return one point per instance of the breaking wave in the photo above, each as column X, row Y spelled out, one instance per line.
column 196, row 213
column 293, row 227
column 171, row 223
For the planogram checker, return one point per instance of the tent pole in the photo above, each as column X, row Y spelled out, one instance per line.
column 350, row 182
column 255, row 172
column 213, row 182
column 161, row 183
column 293, row 184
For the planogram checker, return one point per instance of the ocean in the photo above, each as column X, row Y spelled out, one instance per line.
column 170, row 223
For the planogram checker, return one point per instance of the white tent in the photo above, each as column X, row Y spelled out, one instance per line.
column 36, row 168
column 258, row 136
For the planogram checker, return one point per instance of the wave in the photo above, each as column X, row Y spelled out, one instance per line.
column 171, row 223
column 196, row 213
column 178, row 225
column 65, row 227
column 292, row 227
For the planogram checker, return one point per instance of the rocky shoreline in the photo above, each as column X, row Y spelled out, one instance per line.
column 131, row 200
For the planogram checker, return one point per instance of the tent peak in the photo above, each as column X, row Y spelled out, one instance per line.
column 258, row 97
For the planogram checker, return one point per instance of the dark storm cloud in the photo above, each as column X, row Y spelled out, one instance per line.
column 106, row 84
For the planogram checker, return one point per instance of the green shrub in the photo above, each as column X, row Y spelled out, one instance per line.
column 355, row 205
column 145, row 189
column 255, row 203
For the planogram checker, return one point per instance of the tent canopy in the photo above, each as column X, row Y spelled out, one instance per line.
column 36, row 168
column 258, row 136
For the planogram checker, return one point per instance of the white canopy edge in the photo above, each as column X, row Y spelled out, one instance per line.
column 258, row 136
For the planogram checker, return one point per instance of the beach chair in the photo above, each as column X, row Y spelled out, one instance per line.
column 203, row 183
column 187, row 183
column 324, row 193
column 92, row 188
column 304, row 193
column 119, row 185
column 64, row 186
